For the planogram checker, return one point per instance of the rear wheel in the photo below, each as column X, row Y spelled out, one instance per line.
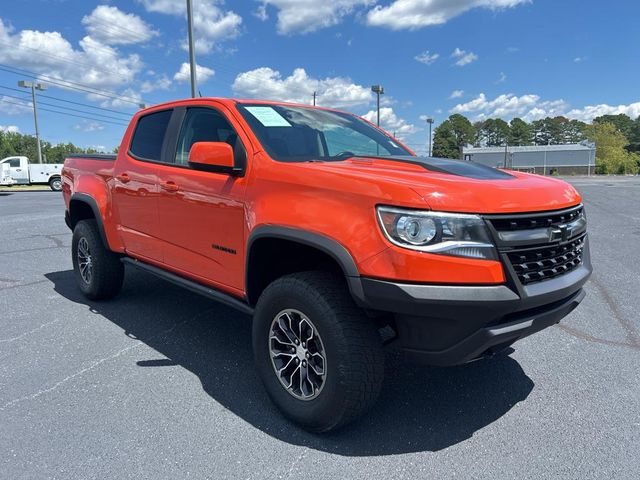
column 99, row 272
column 319, row 356
column 55, row 184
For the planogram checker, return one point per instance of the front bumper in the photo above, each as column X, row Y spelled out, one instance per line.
column 451, row 324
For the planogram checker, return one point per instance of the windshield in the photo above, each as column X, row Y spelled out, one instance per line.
column 299, row 134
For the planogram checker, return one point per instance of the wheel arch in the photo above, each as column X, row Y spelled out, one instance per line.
column 85, row 207
column 326, row 246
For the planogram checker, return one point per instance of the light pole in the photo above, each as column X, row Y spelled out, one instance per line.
column 430, row 122
column 378, row 90
column 192, row 50
column 34, row 86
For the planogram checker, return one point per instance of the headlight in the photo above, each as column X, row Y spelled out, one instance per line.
column 456, row 234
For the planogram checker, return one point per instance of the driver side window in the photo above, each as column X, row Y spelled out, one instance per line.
column 202, row 125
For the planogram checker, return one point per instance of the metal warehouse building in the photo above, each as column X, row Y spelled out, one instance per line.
column 542, row 159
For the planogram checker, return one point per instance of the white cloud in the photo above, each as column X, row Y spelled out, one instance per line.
column 427, row 58
column 390, row 122
column 508, row 105
column 580, row 59
column 532, row 107
column 211, row 23
column 13, row 106
column 160, row 83
column 112, row 26
column 267, row 83
column 502, row 78
column 9, row 129
column 87, row 126
column 512, row 49
column 463, row 57
column 414, row 14
column 456, row 94
column 129, row 98
column 590, row 112
column 261, row 13
column 94, row 64
column 304, row 16
column 184, row 74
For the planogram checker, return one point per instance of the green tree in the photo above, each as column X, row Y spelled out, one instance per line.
column 520, row 132
column 634, row 136
column 611, row 154
column 622, row 122
column 493, row 132
column 13, row 143
column 451, row 135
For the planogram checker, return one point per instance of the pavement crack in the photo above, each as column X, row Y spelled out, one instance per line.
column 630, row 330
column 13, row 339
column 97, row 363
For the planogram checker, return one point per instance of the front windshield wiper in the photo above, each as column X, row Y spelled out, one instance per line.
column 342, row 155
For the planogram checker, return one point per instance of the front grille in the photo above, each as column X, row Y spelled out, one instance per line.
column 536, row 264
column 536, row 220
column 541, row 245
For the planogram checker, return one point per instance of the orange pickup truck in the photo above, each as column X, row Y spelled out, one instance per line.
column 333, row 235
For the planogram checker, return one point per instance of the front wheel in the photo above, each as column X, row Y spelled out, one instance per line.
column 55, row 184
column 319, row 357
column 99, row 272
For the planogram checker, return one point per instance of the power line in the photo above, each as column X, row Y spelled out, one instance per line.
column 68, row 84
column 69, row 101
column 64, row 113
column 69, row 108
column 66, row 59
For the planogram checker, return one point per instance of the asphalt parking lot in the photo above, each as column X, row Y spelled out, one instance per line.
column 159, row 382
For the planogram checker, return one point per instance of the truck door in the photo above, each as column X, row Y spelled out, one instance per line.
column 135, row 190
column 19, row 169
column 201, row 213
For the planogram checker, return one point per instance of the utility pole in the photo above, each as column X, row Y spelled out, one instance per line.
column 35, row 86
column 314, row 98
column 430, row 122
column 192, row 51
column 378, row 90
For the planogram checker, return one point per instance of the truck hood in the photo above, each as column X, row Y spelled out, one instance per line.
column 460, row 186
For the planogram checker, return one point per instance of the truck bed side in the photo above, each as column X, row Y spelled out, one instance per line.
column 87, row 182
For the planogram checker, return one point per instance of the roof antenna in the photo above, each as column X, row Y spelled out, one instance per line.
column 199, row 93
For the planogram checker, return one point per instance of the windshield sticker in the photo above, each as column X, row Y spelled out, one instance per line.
column 268, row 117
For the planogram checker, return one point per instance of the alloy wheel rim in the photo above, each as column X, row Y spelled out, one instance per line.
column 297, row 354
column 57, row 184
column 85, row 263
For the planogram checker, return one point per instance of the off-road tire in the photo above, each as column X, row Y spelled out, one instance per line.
column 107, row 271
column 354, row 355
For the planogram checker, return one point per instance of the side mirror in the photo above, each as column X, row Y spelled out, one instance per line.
column 212, row 157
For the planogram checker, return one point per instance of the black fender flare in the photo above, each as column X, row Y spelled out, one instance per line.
column 316, row 240
column 89, row 200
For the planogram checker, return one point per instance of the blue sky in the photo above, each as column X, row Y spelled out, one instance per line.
column 482, row 58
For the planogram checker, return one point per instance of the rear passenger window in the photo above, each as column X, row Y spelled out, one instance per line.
column 149, row 135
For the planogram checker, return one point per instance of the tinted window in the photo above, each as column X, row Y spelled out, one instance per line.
column 301, row 134
column 14, row 162
column 202, row 125
column 149, row 135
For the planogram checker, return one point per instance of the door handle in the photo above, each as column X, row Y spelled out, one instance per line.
column 123, row 177
column 169, row 186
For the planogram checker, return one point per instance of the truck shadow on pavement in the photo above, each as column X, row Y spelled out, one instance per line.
column 420, row 408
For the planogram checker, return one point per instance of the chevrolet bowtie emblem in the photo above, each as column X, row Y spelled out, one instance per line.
column 561, row 233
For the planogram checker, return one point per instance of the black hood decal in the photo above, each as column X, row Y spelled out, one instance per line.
column 454, row 167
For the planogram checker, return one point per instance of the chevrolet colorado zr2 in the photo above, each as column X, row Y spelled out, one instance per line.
column 328, row 231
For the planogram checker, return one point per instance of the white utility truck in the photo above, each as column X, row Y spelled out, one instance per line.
column 22, row 172
column 5, row 175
